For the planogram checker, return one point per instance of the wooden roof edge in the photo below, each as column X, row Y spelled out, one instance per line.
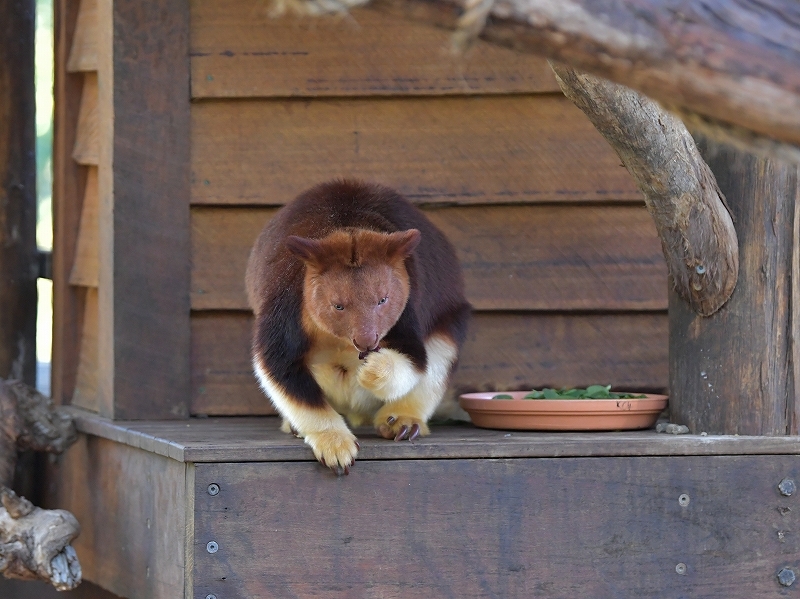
column 722, row 76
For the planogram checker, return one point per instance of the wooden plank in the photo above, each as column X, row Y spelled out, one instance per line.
column 239, row 50
column 144, row 209
column 83, row 55
column 131, row 506
column 514, row 257
column 86, row 391
column 733, row 372
column 549, row 528
column 503, row 351
column 85, row 269
column 87, row 143
column 448, row 150
column 258, row 439
column 18, row 250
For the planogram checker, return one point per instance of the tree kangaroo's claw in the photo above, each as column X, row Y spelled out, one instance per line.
column 402, row 433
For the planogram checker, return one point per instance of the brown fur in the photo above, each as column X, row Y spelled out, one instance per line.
column 360, row 311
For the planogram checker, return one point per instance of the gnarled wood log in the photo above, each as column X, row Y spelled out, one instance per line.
column 29, row 420
column 696, row 230
column 34, row 543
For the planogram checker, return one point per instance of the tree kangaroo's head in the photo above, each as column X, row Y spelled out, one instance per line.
column 356, row 283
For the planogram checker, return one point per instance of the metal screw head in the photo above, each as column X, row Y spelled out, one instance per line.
column 681, row 569
column 213, row 489
column 684, row 500
column 211, row 596
column 787, row 487
column 212, row 547
column 786, row 577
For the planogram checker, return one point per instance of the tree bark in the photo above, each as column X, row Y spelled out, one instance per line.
column 736, row 372
column 29, row 420
column 696, row 230
column 18, row 253
column 34, row 543
column 729, row 67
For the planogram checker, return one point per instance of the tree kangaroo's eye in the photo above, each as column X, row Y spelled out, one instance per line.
column 339, row 307
column 383, row 300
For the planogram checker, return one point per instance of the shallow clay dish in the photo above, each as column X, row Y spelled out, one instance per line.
column 562, row 414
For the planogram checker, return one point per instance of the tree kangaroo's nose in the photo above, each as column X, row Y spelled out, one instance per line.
column 366, row 341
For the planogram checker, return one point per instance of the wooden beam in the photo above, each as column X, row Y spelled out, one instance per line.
column 144, row 187
column 18, row 253
column 734, row 373
column 680, row 191
column 732, row 64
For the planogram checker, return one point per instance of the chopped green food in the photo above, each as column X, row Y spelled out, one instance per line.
column 502, row 396
column 591, row 392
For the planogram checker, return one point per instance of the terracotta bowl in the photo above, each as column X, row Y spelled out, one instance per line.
column 562, row 414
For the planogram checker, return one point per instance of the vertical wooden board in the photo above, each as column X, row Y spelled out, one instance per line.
column 513, row 257
column 502, row 351
column 83, row 53
column 68, row 191
column 733, row 373
column 86, row 392
column 239, row 50
column 87, row 253
column 131, row 507
column 469, row 150
column 145, row 305
column 18, row 250
column 547, row 528
column 87, row 143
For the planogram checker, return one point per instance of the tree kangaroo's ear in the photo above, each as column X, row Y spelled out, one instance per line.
column 403, row 243
column 308, row 250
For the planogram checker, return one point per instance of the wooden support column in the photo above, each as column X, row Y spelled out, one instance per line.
column 18, row 254
column 144, row 188
column 736, row 372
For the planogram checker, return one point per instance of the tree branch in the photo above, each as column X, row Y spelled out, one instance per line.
column 696, row 230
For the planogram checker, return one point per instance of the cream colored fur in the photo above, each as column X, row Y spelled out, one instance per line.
column 386, row 384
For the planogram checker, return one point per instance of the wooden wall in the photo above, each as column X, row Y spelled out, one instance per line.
column 562, row 262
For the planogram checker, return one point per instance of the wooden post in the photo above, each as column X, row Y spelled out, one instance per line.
column 144, row 195
column 735, row 372
column 18, row 254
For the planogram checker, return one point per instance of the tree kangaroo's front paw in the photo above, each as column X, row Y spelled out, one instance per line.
column 388, row 374
column 336, row 449
column 399, row 427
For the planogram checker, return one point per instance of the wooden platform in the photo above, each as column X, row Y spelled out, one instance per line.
column 232, row 507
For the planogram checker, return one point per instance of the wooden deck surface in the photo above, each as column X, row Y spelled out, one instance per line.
column 254, row 439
